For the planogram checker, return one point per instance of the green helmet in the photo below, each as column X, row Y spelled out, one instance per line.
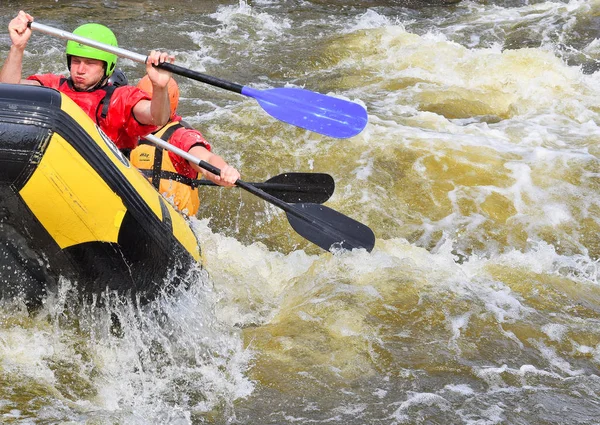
column 98, row 33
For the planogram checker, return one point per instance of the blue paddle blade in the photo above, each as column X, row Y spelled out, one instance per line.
column 312, row 111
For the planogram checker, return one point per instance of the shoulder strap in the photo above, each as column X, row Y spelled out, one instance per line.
column 172, row 129
column 157, row 167
column 157, row 172
column 105, row 102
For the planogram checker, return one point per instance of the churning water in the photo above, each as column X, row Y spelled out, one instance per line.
column 478, row 173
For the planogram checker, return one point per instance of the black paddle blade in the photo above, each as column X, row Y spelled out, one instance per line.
column 328, row 228
column 300, row 187
column 292, row 187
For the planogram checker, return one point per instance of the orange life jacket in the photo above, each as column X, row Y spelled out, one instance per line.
column 156, row 165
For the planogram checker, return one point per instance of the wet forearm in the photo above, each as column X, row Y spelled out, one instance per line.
column 202, row 153
column 13, row 66
column 228, row 176
column 216, row 161
column 159, row 106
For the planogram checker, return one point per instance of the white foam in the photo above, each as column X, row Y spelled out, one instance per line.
column 555, row 331
column 418, row 399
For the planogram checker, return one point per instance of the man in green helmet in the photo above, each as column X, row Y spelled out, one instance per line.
column 124, row 113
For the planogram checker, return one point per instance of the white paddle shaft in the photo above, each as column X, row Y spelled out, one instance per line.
column 92, row 43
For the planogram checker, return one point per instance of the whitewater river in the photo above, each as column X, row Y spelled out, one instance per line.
column 478, row 172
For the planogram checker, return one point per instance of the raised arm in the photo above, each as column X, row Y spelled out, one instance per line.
column 20, row 33
column 157, row 111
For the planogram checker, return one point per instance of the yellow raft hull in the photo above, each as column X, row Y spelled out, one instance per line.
column 71, row 205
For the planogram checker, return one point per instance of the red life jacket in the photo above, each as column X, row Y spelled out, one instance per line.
column 109, row 106
column 90, row 101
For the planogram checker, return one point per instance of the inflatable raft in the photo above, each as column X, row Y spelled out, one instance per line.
column 72, row 206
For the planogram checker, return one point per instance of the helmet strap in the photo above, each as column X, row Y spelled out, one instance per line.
column 100, row 83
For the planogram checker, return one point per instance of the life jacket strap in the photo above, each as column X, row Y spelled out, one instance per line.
column 170, row 175
column 157, row 173
column 105, row 102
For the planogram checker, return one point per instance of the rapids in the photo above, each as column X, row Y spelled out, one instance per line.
column 478, row 173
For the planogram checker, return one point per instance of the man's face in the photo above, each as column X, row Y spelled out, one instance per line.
column 86, row 72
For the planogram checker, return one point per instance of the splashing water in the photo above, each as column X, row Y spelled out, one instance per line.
column 478, row 172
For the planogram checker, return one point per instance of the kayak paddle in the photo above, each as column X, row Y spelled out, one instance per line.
column 319, row 224
column 303, row 108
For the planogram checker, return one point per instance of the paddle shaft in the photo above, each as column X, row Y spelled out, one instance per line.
column 136, row 57
column 211, row 168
